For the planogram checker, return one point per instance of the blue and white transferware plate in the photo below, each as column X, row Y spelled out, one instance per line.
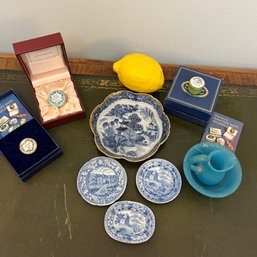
column 101, row 181
column 129, row 125
column 129, row 222
column 158, row 181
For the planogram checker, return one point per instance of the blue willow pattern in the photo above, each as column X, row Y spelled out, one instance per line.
column 130, row 125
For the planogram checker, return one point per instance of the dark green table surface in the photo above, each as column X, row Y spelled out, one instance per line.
column 47, row 217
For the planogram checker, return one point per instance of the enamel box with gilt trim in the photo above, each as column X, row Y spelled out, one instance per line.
column 44, row 61
column 193, row 95
column 24, row 142
column 129, row 125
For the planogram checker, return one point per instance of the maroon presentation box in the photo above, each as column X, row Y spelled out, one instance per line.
column 45, row 63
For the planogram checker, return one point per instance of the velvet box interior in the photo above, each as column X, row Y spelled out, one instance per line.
column 45, row 63
column 195, row 108
column 18, row 124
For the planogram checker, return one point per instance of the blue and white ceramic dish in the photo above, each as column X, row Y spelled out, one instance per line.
column 129, row 125
column 129, row 222
column 228, row 185
column 101, row 181
column 158, row 181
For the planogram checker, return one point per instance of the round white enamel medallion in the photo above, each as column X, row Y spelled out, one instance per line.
column 57, row 98
column 28, row 146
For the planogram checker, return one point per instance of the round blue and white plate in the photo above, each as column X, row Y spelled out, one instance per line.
column 101, row 181
column 129, row 125
column 158, row 181
column 129, row 222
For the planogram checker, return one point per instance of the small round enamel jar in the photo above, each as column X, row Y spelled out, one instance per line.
column 57, row 98
column 196, row 84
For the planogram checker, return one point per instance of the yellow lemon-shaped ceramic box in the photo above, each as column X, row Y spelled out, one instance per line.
column 140, row 73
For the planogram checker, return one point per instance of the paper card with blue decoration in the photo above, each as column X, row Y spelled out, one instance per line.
column 223, row 130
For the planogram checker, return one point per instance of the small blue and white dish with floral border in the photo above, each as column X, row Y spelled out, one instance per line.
column 158, row 181
column 101, row 181
column 129, row 222
column 129, row 125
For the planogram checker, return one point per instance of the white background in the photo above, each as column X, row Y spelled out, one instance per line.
column 198, row 32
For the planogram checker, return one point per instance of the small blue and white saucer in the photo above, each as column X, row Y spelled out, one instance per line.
column 129, row 222
column 158, row 181
column 101, row 181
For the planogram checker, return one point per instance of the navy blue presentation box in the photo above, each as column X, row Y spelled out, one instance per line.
column 195, row 108
column 17, row 124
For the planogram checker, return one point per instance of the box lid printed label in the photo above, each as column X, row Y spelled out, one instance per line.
column 44, row 54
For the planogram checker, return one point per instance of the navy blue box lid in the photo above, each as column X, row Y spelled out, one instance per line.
column 196, row 108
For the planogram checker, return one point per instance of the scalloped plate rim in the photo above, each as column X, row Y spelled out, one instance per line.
column 123, row 157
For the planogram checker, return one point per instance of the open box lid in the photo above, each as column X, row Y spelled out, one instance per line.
column 43, row 59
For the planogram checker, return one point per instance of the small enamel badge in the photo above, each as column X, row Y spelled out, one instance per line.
column 57, row 98
column 28, row 146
